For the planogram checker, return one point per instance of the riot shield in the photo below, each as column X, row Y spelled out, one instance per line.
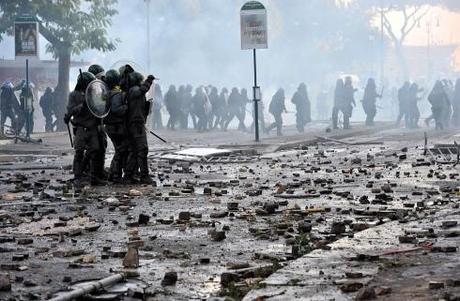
column 96, row 98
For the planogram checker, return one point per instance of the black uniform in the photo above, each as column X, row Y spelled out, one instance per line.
column 201, row 108
column 343, row 102
column 303, row 107
column 86, row 131
column 215, row 103
column 234, row 108
column 369, row 101
column 439, row 104
column 403, row 100
column 172, row 105
column 244, row 100
column 276, row 108
column 137, row 115
column 221, row 109
column 413, row 113
column 46, row 103
column 9, row 106
column 115, row 126
column 26, row 115
column 98, row 72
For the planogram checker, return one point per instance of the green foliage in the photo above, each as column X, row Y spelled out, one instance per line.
column 74, row 24
column 304, row 243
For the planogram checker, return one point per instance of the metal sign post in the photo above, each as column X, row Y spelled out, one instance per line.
column 253, row 18
column 26, row 102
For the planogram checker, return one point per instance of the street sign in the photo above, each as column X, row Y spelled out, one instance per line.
column 26, row 36
column 253, row 18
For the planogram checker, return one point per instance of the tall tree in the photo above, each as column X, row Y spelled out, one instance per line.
column 70, row 26
column 400, row 18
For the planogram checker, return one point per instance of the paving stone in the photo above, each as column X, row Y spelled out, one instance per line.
column 170, row 278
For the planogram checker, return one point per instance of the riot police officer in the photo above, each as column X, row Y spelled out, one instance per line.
column 98, row 72
column 136, row 118
column 276, row 108
column 86, row 132
column 439, row 104
column 369, row 101
column 46, row 103
column 115, row 125
column 303, row 107
column 26, row 116
column 9, row 106
column 343, row 101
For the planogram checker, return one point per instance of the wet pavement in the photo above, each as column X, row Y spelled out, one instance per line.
column 319, row 216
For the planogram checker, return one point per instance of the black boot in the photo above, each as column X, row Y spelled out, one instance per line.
column 144, row 172
column 94, row 174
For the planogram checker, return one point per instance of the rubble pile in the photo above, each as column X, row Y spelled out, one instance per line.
column 340, row 217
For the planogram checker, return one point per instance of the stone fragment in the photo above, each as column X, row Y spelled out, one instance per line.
column 184, row 215
column 5, row 283
column 356, row 161
column 449, row 224
column 29, row 283
column 270, row 207
column 134, row 192
column 359, row 226
column 88, row 259
column 434, row 285
column 338, row 228
column 217, row 235
column 305, row 227
column 219, row 214
column 444, row 249
column 143, row 219
column 112, row 201
column 131, row 260
column 366, row 293
column 237, row 265
column 383, row 290
column 24, row 241
column 351, row 287
column 453, row 282
column 170, row 278
column 407, row 239
column 354, row 275
column 232, row 206
column 205, row 260
column 387, row 188
column 227, row 278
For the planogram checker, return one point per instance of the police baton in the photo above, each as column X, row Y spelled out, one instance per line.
column 151, row 132
column 70, row 135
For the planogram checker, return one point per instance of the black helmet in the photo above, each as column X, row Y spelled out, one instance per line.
column 112, row 78
column 135, row 78
column 96, row 70
column 126, row 69
column 83, row 80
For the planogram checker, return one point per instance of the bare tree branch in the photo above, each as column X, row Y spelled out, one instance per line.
column 389, row 28
column 416, row 20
